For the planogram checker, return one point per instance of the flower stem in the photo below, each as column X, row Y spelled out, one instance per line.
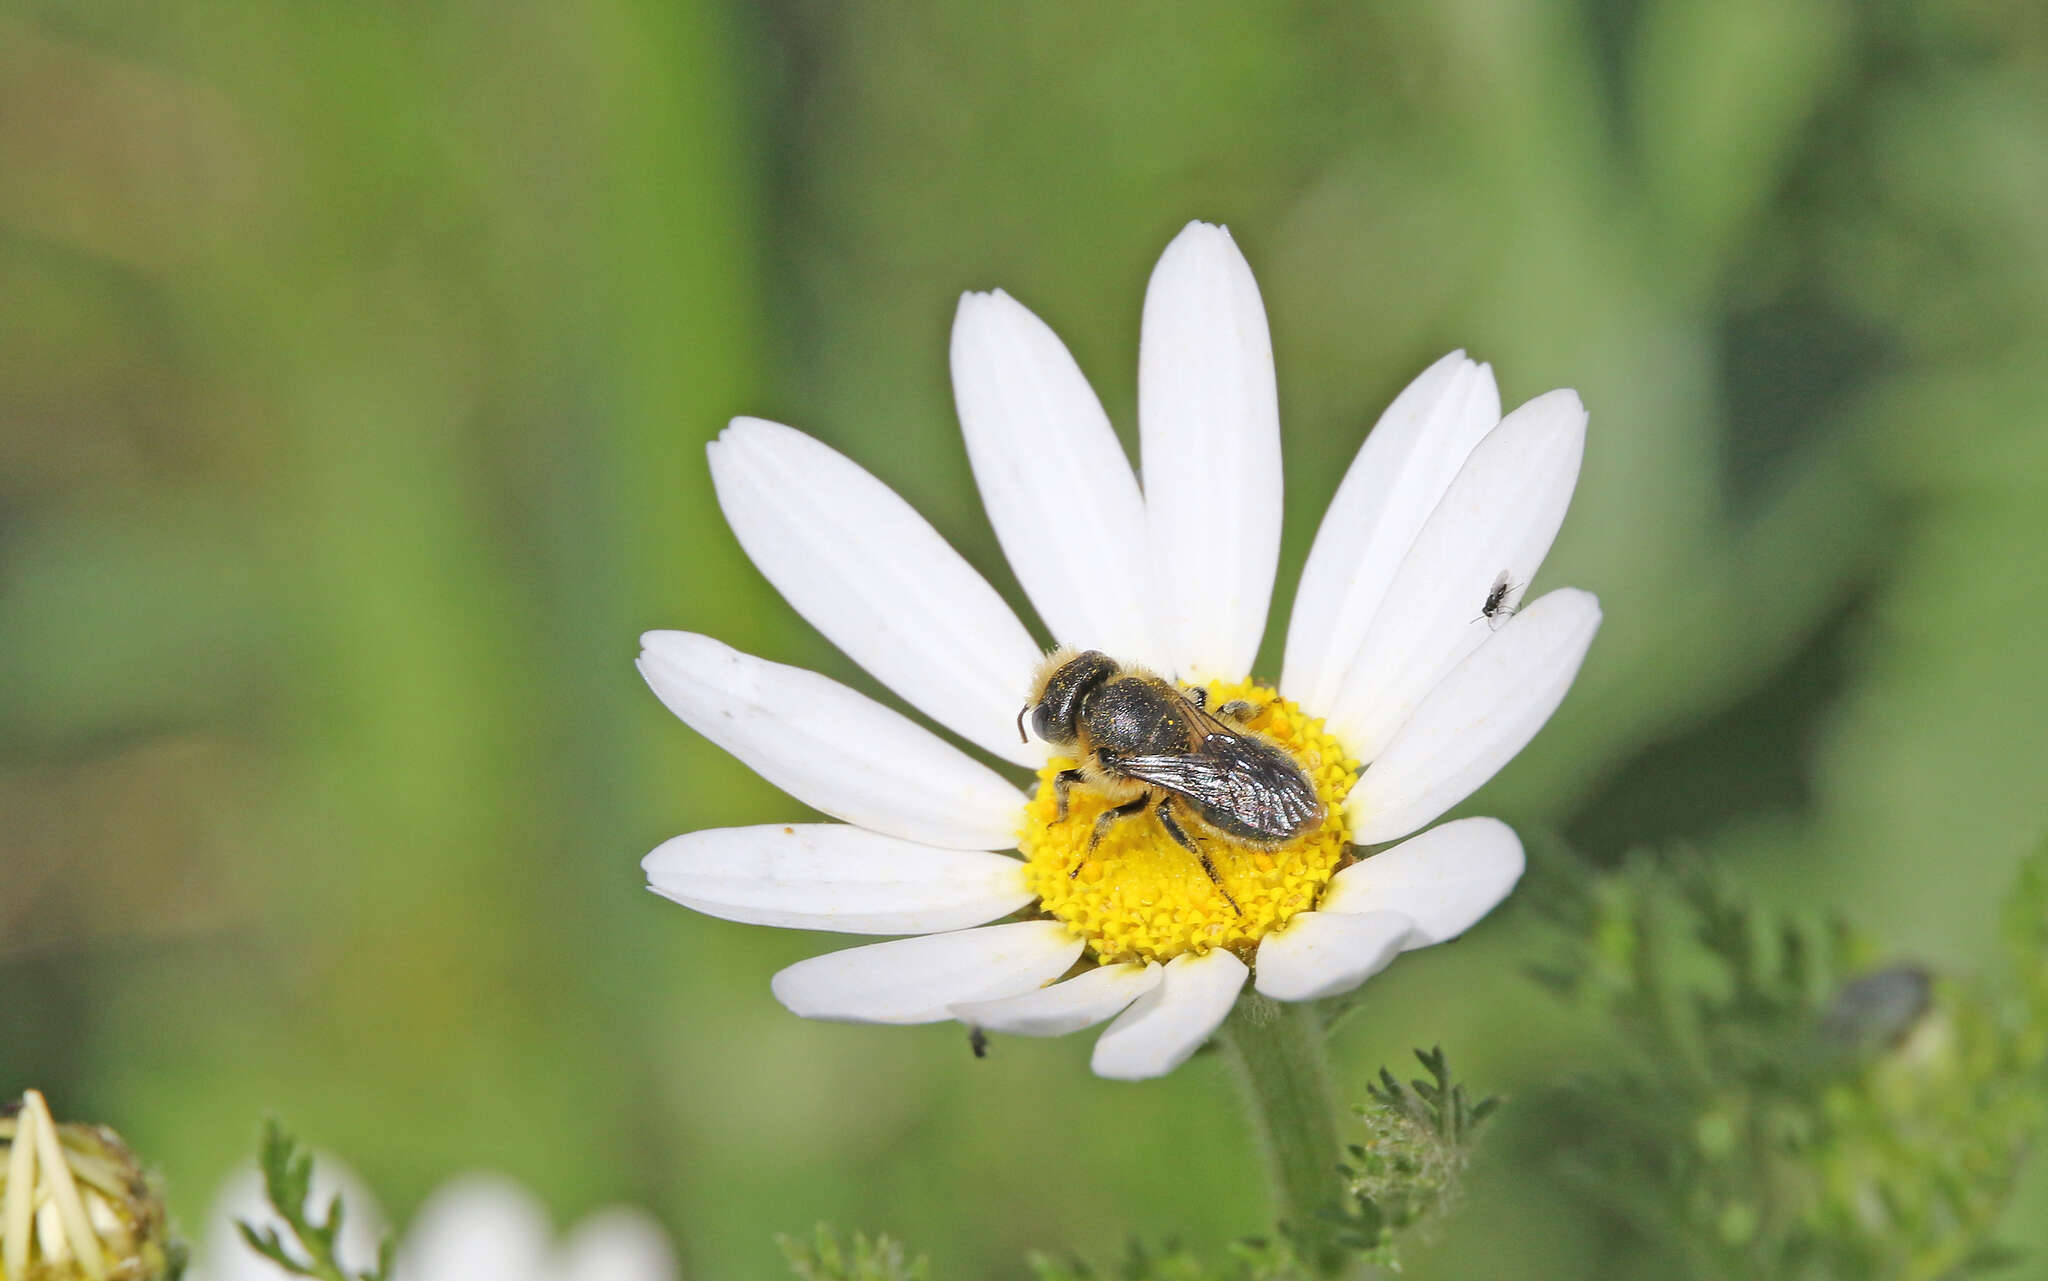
column 1278, row 1049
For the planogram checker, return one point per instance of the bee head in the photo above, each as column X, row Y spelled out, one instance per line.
column 1064, row 682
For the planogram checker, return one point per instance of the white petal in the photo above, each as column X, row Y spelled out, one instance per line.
column 1209, row 435
column 829, row 876
column 1395, row 482
column 877, row 580
column 1053, row 476
column 1499, row 516
column 918, row 980
column 1477, row 719
column 1443, row 880
column 1320, row 954
column 478, row 1228
column 619, row 1244
column 1170, row 1022
column 1081, row 1001
column 835, row 750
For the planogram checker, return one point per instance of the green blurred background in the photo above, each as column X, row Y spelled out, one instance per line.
column 356, row 361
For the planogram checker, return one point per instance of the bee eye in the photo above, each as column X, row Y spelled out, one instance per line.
column 1041, row 721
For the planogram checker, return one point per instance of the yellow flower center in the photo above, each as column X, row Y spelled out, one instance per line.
column 1140, row 896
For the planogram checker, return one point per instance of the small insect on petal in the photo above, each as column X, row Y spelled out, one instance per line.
column 1502, row 600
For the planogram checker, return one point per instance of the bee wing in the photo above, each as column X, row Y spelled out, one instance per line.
column 1254, row 784
column 1194, row 776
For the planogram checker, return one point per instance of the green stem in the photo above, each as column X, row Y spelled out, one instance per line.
column 1278, row 1049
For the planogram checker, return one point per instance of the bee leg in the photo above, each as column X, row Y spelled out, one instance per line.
column 1237, row 711
column 1110, row 817
column 1181, row 838
column 1197, row 695
column 1061, row 782
column 1106, row 820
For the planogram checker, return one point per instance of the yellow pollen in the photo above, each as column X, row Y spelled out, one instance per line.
column 1139, row 896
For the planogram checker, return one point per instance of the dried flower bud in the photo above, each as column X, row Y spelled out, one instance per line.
column 75, row 1204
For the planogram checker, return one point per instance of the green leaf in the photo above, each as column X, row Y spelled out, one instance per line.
column 288, row 1184
column 823, row 1258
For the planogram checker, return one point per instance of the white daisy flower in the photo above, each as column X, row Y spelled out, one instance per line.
column 1410, row 677
column 477, row 1227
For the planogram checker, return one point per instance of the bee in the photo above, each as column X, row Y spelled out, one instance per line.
column 1150, row 746
column 1502, row 599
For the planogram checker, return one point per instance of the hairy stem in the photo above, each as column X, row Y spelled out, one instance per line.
column 1278, row 1049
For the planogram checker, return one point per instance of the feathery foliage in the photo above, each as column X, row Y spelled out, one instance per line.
column 824, row 1258
column 1780, row 1105
column 288, row 1184
column 1403, row 1174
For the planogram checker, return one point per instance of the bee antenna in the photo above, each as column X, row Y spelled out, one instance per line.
column 1022, row 737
